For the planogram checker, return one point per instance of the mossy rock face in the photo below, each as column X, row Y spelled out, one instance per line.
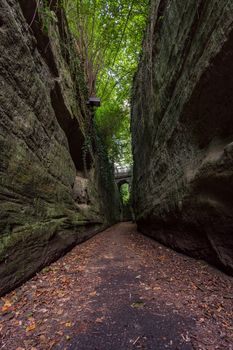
column 41, row 142
column 182, row 129
column 35, row 246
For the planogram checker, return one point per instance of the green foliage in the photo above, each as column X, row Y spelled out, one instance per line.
column 114, row 125
column 46, row 14
column 108, row 40
column 108, row 36
column 125, row 194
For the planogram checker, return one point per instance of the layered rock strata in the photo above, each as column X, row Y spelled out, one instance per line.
column 50, row 199
column 182, row 127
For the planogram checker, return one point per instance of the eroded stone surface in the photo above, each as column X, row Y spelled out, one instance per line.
column 183, row 129
column 41, row 140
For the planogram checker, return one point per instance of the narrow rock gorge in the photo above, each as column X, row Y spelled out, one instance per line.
column 182, row 129
column 155, row 216
column 56, row 185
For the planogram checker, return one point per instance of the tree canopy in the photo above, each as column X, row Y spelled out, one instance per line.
column 108, row 36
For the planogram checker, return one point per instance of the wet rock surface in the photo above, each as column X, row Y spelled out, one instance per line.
column 182, row 129
column 120, row 290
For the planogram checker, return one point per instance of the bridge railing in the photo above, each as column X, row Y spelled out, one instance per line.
column 123, row 171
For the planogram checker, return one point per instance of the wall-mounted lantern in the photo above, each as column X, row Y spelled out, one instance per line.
column 94, row 102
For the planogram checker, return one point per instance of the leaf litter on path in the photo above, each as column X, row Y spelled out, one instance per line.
column 108, row 288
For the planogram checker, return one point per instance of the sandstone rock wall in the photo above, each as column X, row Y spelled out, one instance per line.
column 182, row 126
column 42, row 125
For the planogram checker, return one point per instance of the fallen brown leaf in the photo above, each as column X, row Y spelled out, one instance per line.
column 6, row 306
column 31, row 327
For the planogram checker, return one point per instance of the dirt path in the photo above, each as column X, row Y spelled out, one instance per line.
column 120, row 291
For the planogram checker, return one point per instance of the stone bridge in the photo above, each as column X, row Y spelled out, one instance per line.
column 123, row 174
